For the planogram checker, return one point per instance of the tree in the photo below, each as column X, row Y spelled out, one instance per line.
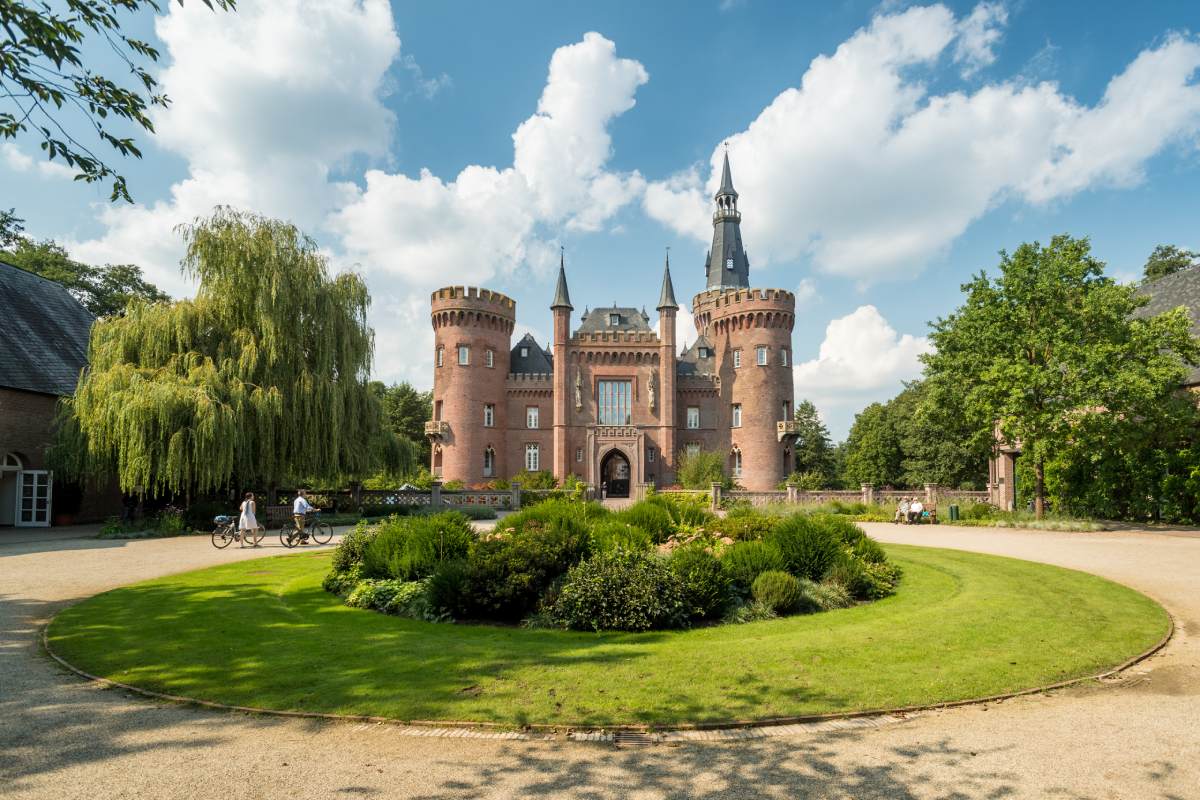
column 1051, row 346
column 43, row 79
column 939, row 441
column 261, row 379
column 12, row 228
column 405, row 412
column 1167, row 259
column 873, row 452
column 813, row 449
column 104, row 291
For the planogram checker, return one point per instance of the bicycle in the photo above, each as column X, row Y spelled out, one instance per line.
column 319, row 532
column 226, row 533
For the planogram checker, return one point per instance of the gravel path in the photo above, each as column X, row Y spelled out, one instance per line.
column 63, row 738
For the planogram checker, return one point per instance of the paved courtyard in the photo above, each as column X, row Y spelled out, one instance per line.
column 61, row 737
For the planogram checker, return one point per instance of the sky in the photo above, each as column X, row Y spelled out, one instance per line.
column 883, row 152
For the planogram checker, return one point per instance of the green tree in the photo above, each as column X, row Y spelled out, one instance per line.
column 261, row 379
column 873, row 452
column 405, row 412
column 48, row 92
column 700, row 469
column 12, row 228
column 104, row 291
column 939, row 442
column 813, row 449
column 1050, row 345
column 1167, row 259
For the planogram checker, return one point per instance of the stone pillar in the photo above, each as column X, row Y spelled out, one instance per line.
column 930, row 493
column 868, row 493
column 793, row 493
column 435, row 494
column 515, row 502
column 716, row 496
column 356, row 493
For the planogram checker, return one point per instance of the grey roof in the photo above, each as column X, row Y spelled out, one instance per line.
column 536, row 361
column 726, row 180
column 727, row 266
column 666, row 298
column 690, row 362
column 1171, row 291
column 43, row 333
column 561, row 298
column 630, row 319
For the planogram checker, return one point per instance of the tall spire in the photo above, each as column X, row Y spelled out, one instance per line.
column 666, row 298
column 727, row 266
column 562, row 299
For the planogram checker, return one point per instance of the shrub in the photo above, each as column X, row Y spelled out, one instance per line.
column 701, row 469
column 778, row 590
column 621, row 590
column 539, row 516
column 979, row 511
column 507, row 573
column 690, row 510
column 753, row 611
column 349, row 552
column 608, row 534
column 863, row 579
column 447, row 590
column 827, row 596
column 340, row 583
column 811, row 481
column 374, row 594
column 704, row 583
column 650, row 517
column 410, row 548
column 808, row 548
column 744, row 527
column 745, row 561
column 852, row 536
column 542, row 479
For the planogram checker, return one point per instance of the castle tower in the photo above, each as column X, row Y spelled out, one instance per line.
column 667, row 309
column 472, row 331
column 751, row 334
column 561, row 309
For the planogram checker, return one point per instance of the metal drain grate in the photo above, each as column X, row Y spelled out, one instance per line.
column 635, row 739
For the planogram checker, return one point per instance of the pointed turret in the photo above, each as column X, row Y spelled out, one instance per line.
column 562, row 299
column 727, row 266
column 726, row 180
column 666, row 298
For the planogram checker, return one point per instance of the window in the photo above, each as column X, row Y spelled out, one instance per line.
column 737, row 359
column 489, row 415
column 531, row 417
column 692, row 449
column 437, row 410
column 761, row 353
column 441, row 356
column 729, row 263
column 490, row 358
column 489, row 463
column 533, row 461
column 783, row 357
column 614, row 401
column 614, row 320
column 579, row 455
column 703, row 352
column 649, row 455
column 737, row 415
column 693, row 417
column 524, row 352
column 464, row 355
column 737, row 463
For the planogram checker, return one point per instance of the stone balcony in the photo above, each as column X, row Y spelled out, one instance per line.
column 786, row 428
column 436, row 428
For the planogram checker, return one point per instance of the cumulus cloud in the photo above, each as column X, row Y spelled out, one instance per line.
column 18, row 160
column 861, row 359
column 863, row 172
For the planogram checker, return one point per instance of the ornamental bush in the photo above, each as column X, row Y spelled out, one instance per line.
column 808, row 548
column 689, row 510
column 621, row 590
column 744, row 527
column 704, row 583
column 650, row 517
column 864, row 580
column 826, row 596
column 448, row 589
column 779, row 591
column 608, row 534
column 349, row 552
column 745, row 561
column 410, row 548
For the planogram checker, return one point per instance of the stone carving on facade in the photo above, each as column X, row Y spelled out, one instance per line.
column 652, row 390
column 578, row 390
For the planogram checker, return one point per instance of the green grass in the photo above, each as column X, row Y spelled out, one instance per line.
column 263, row 633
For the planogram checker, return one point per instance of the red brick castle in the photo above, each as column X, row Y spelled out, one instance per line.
column 612, row 403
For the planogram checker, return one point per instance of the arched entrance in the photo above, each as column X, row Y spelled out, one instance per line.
column 614, row 474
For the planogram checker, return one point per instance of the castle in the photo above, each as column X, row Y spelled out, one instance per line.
column 613, row 403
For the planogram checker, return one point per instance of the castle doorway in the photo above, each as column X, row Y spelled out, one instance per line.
column 614, row 474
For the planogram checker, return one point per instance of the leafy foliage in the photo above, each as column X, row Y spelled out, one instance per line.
column 745, row 561
column 621, row 590
column 609, row 534
column 701, row 469
column 808, row 547
column 411, row 548
column 652, row 517
column 1168, row 259
column 813, row 449
column 405, row 412
column 778, row 591
column 704, row 583
column 873, row 452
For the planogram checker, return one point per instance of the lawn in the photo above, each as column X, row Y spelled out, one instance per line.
column 263, row 633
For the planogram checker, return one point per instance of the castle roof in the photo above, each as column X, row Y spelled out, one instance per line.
column 1180, row 288
column 691, row 362
column 666, row 298
column 562, row 298
column 529, row 358
column 601, row 320
column 43, row 333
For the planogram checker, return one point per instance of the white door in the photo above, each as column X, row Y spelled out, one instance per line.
column 33, row 499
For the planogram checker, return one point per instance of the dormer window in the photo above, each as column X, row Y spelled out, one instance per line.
column 729, row 264
column 614, row 320
column 704, row 352
column 524, row 352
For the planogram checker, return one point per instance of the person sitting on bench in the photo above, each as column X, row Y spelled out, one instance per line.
column 914, row 511
column 902, row 511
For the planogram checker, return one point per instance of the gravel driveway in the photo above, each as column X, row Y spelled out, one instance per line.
column 61, row 737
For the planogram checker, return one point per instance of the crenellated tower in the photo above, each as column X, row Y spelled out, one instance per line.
column 472, row 330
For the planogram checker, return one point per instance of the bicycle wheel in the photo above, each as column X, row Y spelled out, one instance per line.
column 288, row 536
column 253, row 537
column 321, row 532
column 221, row 538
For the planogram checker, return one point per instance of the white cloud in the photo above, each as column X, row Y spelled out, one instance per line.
column 428, row 87
column 862, row 359
column 863, row 172
column 18, row 160
column 806, row 292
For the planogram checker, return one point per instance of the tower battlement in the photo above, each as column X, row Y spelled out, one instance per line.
column 472, row 298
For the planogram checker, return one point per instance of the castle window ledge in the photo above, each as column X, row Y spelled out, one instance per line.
column 786, row 428
column 437, row 428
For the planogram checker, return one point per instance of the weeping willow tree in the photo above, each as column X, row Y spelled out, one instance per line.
column 258, row 380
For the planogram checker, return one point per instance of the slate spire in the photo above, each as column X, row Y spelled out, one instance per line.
column 727, row 266
column 726, row 180
column 666, row 298
column 562, row 299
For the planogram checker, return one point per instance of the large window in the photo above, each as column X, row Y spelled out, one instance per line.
column 489, row 415
column 533, row 460
column 489, row 463
column 737, row 415
column 736, row 464
column 614, row 400
column 464, row 355
column 531, row 417
column 693, row 417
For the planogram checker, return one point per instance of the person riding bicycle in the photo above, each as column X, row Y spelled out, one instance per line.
column 301, row 508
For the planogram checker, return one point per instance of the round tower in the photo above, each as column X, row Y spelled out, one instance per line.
column 472, row 331
column 751, row 334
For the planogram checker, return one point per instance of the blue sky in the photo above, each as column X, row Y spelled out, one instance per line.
column 884, row 153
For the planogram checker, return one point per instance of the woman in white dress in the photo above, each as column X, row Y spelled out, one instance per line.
column 248, row 523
